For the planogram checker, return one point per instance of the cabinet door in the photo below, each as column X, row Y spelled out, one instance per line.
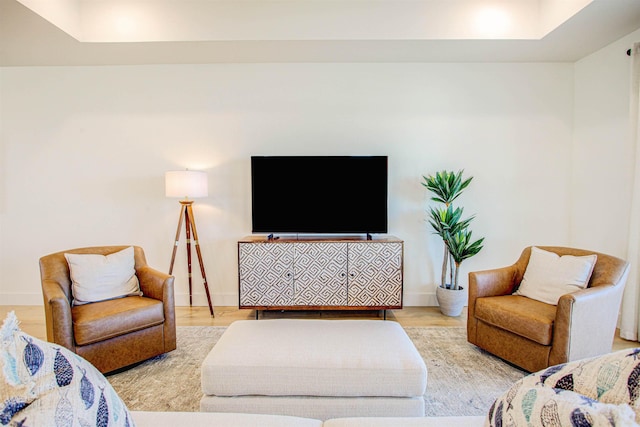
column 320, row 274
column 375, row 274
column 266, row 274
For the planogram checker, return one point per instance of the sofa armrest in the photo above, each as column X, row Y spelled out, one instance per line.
column 57, row 310
column 585, row 323
column 157, row 285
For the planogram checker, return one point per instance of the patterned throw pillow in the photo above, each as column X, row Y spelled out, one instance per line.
column 600, row 391
column 47, row 385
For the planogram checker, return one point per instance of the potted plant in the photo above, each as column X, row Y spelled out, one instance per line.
column 447, row 222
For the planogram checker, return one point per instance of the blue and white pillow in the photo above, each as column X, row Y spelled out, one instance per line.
column 598, row 391
column 47, row 385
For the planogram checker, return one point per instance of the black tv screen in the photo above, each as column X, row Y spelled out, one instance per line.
column 319, row 194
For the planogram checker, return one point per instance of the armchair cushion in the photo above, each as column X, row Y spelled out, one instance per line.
column 96, row 277
column 47, row 385
column 107, row 319
column 520, row 315
column 548, row 276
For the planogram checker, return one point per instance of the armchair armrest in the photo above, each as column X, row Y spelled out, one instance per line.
column 486, row 283
column 154, row 284
column 57, row 310
column 585, row 323
column 157, row 285
column 499, row 281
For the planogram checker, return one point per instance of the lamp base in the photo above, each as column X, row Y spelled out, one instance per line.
column 186, row 213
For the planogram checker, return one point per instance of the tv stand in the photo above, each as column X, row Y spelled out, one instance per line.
column 311, row 273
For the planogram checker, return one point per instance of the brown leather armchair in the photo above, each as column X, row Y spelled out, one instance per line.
column 110, row 334
column 534, row 335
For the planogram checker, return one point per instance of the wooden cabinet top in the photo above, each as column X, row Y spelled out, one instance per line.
column 327, row 239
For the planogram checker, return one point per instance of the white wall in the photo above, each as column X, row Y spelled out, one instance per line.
column 86, row 149
column 603, row 156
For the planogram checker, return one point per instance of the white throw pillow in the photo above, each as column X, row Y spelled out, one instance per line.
column 97, row 277
column 549, row 276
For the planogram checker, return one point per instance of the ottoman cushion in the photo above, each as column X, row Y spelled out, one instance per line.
column 285, row 357
column 320, row 407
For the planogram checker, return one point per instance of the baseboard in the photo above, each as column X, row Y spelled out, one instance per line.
column 422, row 299
column 231, row 300
column 200, row 299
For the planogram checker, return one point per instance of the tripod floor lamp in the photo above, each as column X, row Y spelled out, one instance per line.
column 188, row 184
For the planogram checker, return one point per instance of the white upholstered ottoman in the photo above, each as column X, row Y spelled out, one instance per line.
column 315, row 368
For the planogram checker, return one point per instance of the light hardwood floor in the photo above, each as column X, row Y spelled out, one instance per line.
column 32, row 318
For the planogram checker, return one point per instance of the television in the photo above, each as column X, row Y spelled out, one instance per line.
column 319, row 194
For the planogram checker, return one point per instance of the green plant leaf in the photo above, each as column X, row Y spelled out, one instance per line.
column 447, row 221
column 461, row 246
column 446, row 185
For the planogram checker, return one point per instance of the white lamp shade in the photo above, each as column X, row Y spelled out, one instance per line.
column 187, row 184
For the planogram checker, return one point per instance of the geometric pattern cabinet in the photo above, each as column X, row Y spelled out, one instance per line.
column 375, row 274
column 320, row 274
column 266, row 274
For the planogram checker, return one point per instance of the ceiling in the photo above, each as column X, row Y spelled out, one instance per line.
column 120, row 32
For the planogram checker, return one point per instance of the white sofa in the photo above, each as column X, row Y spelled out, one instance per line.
column 217, row 419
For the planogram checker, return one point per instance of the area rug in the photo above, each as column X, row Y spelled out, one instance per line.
column 461, row 379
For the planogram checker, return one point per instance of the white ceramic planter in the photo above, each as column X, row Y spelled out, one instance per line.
column 451, row 301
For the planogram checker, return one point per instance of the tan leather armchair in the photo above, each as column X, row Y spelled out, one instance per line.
column 534, row 335
column 110, row 334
